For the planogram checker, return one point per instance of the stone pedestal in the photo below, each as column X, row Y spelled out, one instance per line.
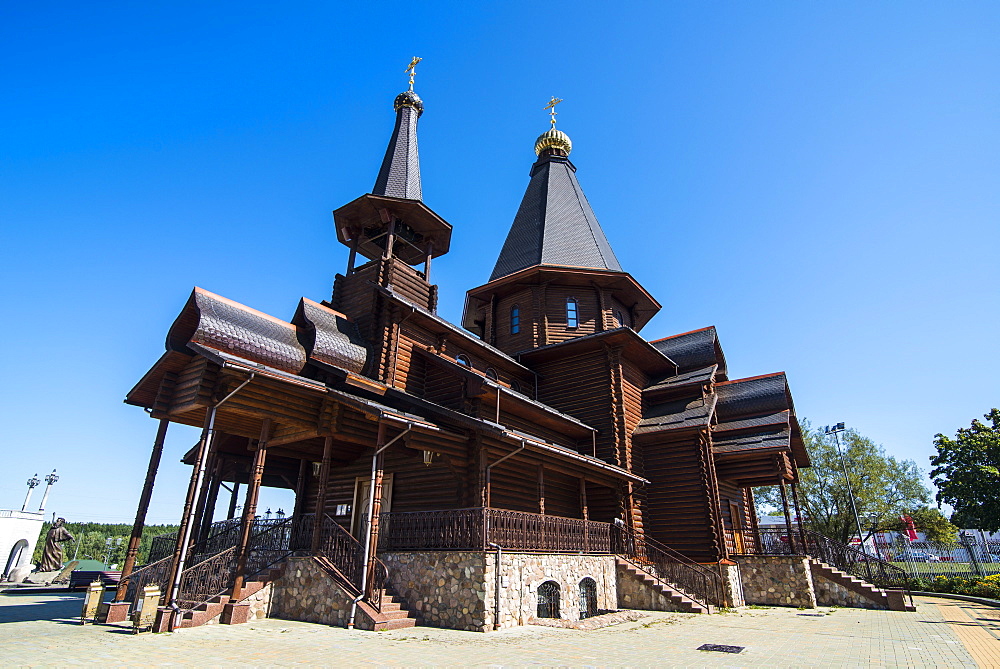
column 732, row 585
column 777, row 580
column 117, row 612
column 163, row 617
column 235, row 614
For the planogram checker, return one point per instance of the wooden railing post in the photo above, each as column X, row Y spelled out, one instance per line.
column 321, row 488
column 140, row 513
column 790, row 531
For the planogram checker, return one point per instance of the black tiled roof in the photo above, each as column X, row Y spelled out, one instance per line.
column 727, row 443
column 555, row 224
column 676, row 415
column 330, row 337
column 400, row 172
column 693, row 350
column 757, row 395
column 693, row 377
column 218, row 323
column 740, row 424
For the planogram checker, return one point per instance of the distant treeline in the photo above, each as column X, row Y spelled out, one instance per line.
column 90, row 541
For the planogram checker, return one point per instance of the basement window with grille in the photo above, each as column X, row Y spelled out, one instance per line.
column 571, row 313
column 548, row 600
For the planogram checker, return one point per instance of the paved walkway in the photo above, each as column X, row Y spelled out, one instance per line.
column 42, row 630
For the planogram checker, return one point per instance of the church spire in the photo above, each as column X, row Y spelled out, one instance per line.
column 555, row 224
column 400, row 172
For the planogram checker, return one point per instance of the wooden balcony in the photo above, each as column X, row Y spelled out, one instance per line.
column 477, row 528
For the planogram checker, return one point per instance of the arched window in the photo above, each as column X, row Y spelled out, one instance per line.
column 588, row 598
column 515, row 386
column 572, row 319
column 620, row 318
column 515, row 319
column 491, row 374
column 548, row 600
column 463, row 359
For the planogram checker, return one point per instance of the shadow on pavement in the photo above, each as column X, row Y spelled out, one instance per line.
column 59, row 608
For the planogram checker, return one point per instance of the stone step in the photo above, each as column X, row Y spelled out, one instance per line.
column 400, row 623
column 394, row 615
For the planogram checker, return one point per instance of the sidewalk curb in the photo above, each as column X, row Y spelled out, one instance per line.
column 964, row 598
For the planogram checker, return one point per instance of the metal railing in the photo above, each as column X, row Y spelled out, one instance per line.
column 476, row 528
column 837, row 554
column 697, row 581
column 156, row 573
column 210, row 575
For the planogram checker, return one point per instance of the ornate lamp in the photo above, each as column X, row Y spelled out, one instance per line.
column 32, row 484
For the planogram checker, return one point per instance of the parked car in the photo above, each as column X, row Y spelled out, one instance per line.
column 917, row 556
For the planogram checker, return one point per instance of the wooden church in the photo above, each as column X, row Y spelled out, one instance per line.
column 542, row 458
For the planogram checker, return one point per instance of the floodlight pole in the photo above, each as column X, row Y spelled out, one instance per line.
column 835, row 431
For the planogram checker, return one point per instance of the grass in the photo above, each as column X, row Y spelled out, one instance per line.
column 758, row 606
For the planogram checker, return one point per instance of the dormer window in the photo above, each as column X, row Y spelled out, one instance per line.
column 491, row 374
column 572, row 319
column 515, row 319
column 463, row 359
column 515, row 386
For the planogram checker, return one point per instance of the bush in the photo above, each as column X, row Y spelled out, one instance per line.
column 985, row 587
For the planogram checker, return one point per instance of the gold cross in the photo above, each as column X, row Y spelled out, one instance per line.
column 552, row 108
column 411, row 69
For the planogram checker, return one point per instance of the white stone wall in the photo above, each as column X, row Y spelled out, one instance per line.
column 17, row 526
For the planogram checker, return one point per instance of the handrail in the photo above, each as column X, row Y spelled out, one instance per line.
column 835, row 553
column 344, row 552
column 680, row 572
column 153, row 573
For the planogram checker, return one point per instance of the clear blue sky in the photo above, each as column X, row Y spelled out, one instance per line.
column 818, row 180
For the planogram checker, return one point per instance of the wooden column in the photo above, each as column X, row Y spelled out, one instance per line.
column 354, row 252
column 376, row 502
column 233, row 499
column 183, row 531
column 140, row 512
column 748, row 492
column 788, row 517
column 250, row 508
column 798, row 514
column 301, row 488
column 321, row 488
column 541, row 489
column 427, row 261
column 208, row 514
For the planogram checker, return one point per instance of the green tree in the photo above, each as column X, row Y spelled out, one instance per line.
column 884, row 488
column 90, row 541
column 933, row 524
column 967, row 471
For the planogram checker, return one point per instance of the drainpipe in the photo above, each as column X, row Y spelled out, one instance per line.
column 202, row 461
column 496, row 594
column 371, row 514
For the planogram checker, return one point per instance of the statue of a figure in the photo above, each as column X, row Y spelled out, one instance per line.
column 52, row 555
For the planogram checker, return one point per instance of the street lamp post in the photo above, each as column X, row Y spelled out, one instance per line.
column 32, row 484
column 835, row 431
column 49, row 480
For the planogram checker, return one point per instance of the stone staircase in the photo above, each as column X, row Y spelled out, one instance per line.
column 893, row 600
column 222, row 609
column 394, row 614
column 676, row 597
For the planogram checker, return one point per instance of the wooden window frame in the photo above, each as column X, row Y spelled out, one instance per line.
column 515, row 319
column 572, row 322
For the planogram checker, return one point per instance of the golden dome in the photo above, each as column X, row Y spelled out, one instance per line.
column 553, row 139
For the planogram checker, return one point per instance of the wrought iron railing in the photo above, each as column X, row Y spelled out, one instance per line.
column 837, row 554
column 162, row 546
column 210, row 575
column 698, row 582
column 155, row 573
column 477, row 528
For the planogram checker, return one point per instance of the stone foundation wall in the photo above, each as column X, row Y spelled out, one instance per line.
column 307, row 593
column 457, row 589
column 522, row 573
column 777, row 580
column 445, row 588
column 831, row 593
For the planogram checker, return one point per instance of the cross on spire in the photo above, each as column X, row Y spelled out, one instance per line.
column 552, row 109
column 411, row 69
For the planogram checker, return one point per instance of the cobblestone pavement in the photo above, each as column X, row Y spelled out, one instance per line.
column 42, row 630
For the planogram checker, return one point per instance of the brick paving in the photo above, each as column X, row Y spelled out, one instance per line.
column 43, row 630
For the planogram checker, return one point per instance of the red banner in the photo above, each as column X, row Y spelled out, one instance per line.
column 911, row 529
